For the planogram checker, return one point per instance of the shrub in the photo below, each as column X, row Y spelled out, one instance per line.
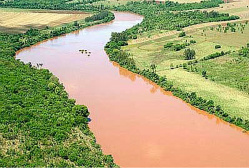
column 134, row 37
column 244, row 52
column 178, row 47
column 217, row 46
column 168, row 45
column 182, row 34
column 171, row 66
column 184, row 66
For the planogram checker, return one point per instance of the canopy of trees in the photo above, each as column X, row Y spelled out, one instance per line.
column 100, row 16
column 85, row 5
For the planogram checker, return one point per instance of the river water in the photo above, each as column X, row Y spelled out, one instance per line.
column 132, row 118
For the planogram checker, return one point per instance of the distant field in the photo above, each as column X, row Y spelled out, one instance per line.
column 19, row 20
column 236, row 7
column 153, row 52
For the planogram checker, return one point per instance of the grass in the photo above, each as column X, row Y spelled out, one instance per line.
column 20, row 20
column 233, row 101
column 226, row 75
column 235, row 7
column 153, row 52
column 230, row 70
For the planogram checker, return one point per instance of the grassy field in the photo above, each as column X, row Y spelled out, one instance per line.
column 226, row 75
column 20, row 20
column 235, row 7
column 233, row 101
column 230, row 70
column 153, row 51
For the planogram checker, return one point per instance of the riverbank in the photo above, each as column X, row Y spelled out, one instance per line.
column 151, row 68
column 226, row 75
column 40, row 125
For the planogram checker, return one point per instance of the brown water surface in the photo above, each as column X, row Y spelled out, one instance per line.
column 132, row 118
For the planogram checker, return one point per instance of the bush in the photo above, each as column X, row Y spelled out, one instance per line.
column 244, row 52
column 168, row 45
column 182, row 34
column 217, row 46
column 215, row 55
column 171, row 66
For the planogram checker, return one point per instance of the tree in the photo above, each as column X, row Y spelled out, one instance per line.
column 171, row 66
column 75, row 23
column 204, row 74
column 184, row 66
column 189, row 54
column 153, row 67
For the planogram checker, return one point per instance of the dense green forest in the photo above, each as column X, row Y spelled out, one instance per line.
column 39, row 124
column 85, row 5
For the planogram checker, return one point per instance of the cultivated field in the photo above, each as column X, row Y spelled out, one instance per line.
column 20, row 20
column 228, row 75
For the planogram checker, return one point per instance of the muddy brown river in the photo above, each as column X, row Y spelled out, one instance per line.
column 132, row 118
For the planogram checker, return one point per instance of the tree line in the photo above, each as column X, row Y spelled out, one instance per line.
column 85, row 5
column 100, row 16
